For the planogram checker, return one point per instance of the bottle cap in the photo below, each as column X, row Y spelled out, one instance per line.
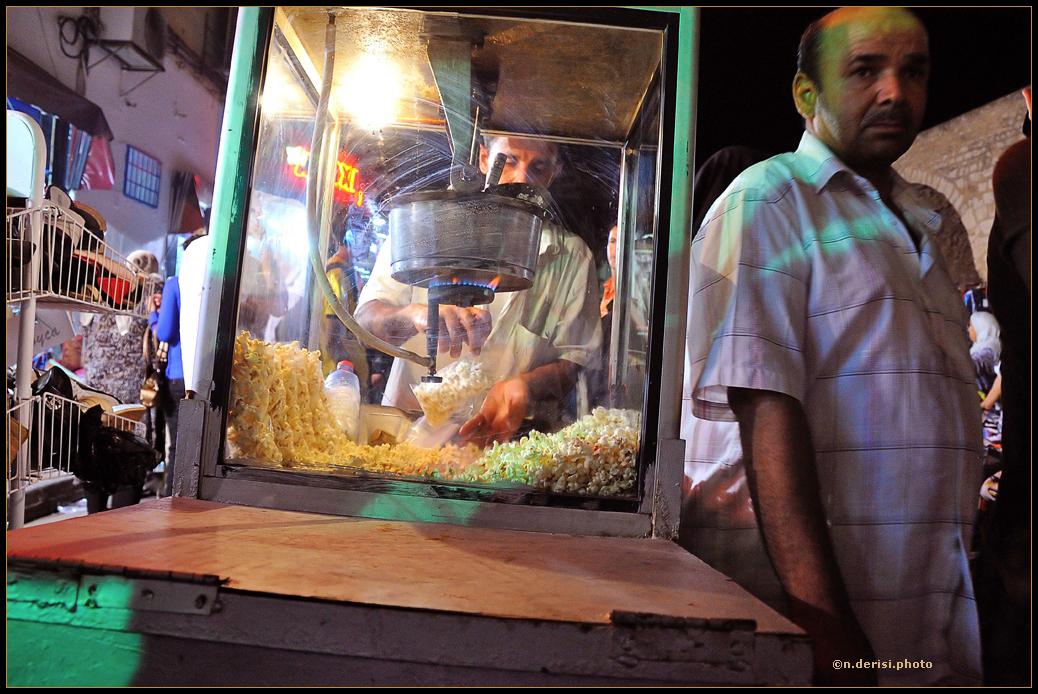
column 345, row 364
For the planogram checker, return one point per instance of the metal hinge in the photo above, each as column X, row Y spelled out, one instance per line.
column 78, row 587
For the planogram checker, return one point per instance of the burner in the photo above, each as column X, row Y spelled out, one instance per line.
column 463, row 294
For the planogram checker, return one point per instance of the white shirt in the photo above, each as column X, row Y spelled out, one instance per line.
column 556, row 318
column 808, row 285
column 193, row 268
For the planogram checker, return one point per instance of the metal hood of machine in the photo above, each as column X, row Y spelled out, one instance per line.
column 564, row 80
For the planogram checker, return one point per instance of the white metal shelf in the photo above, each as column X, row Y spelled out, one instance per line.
column 53, row 261
column 73, row 270
column 45, row 430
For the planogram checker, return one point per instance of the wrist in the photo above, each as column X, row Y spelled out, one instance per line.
column 417, row 317
column 525, row 384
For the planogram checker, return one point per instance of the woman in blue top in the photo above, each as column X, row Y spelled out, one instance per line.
column 165, row 321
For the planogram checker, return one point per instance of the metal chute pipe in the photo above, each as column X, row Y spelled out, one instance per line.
column 313, row 183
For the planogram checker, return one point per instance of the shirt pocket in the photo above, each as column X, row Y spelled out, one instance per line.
column 522, row 351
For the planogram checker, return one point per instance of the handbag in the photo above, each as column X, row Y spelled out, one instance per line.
column 110, row 457
column 156, row 371
column 150, row 387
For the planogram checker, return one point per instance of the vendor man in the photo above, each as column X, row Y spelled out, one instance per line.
column 536, row 340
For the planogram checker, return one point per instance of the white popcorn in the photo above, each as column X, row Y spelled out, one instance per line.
column 462, row 380
column 581, row 458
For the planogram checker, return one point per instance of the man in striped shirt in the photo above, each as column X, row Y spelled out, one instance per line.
column 823, row 321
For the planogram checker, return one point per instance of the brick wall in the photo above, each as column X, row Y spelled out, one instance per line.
column 957, row 158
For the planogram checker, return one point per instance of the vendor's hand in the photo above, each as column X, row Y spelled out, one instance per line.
column 154, row 302
column 458, row 327
column 503, row 411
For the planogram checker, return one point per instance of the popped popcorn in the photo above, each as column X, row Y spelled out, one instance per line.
column 280, row 414
column 276, row 414
column 462, row 380
column 594, row 455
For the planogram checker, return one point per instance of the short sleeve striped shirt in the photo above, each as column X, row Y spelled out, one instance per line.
column 805, row 283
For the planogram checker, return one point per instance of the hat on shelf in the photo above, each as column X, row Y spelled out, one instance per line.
column 93, row 221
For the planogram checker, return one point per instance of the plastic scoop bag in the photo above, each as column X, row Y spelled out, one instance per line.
column 463, row 382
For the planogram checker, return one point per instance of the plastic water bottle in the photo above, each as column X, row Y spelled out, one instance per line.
column 343, row 389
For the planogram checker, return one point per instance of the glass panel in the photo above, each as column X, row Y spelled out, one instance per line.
column 375, row 195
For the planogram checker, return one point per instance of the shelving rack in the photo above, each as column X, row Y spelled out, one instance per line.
column 54, row 262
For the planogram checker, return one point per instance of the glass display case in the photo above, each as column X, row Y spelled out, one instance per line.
column 485, row 213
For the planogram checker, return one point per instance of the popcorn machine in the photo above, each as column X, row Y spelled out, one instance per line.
column 465, row 171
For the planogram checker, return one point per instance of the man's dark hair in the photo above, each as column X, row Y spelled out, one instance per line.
column 807, row 53
column 811, row 44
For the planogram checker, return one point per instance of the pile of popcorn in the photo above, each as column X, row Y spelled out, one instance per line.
column 594, row 455
column 279, row 413
column 462, row 380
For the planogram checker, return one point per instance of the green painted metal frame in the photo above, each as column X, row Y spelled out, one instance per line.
column 231, row 199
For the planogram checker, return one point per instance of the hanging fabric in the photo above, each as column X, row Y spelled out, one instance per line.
column 99, row 169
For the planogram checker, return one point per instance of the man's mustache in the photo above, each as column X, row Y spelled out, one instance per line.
column 895, row 114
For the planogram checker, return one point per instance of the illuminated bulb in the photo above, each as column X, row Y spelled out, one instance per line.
column 370, row 90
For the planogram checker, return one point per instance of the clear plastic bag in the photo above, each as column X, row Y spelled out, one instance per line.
column 464, row 381
column 424, row 434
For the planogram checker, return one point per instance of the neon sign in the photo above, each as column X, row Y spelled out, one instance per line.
column 345, row 178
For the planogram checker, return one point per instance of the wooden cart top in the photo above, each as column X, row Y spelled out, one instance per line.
column 432, row 566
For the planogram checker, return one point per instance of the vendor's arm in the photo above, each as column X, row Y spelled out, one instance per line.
column 505, row 406
column 780, row 466
column 397, row 324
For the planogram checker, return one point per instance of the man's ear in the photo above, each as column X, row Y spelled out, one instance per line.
column 805, row 95
column 484, row 156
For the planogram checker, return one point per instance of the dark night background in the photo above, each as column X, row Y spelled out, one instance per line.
column 748, row 58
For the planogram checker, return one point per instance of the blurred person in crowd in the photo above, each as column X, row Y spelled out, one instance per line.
column 166, row 324
column 264, row 295
column 337, row 342
column 190, row 280
column 985, row 351
column 638, row 324
column 155, row 360
column 976, row 298
column 114, row 363
column 72, row 356
column 1004, row 569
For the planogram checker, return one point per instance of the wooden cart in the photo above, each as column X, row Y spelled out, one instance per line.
column 189, row 593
